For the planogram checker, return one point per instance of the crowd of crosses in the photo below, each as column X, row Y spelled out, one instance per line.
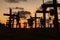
column 44, row 7
column 12, row 17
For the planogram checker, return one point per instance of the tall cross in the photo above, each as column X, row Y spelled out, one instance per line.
column 10, row 16
column 45, row 6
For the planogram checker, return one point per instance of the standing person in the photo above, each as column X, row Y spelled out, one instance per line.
column 18, row 19
column 13, row 17
column 54, row 22
column 25, row 24
column 30, row 22
column 41, row 21
column 50, row 21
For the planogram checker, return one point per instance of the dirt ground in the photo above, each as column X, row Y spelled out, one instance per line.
column 29, row 34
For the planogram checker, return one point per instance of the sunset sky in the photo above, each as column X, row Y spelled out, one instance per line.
column 29, row 5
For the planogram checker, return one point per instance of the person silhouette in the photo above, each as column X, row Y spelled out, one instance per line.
column 54, row 22
column 41, row 21
column 17, row 19
column 30, row 22
column 25, row 24
column 50, row 22
column 13, row 18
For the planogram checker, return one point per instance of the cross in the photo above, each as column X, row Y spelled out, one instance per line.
column 10, row 17
column 35, row 19
column 45, row 6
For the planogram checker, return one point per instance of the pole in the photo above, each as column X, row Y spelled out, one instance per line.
column 10, row 18
column 35, row 20
column 55, row 13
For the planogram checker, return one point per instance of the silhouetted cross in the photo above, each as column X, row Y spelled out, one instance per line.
column 10, row 15
column 45, row 6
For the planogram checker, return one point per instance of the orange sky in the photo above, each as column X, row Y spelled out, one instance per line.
column 29, row 5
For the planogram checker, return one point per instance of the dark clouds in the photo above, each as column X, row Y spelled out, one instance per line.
column 14, row 1
column 23, row 14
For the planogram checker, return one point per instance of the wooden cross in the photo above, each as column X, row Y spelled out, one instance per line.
column 10, row 15
column 10, row 18
column 45, row 6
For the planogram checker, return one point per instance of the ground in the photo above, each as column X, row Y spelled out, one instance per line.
column 29, row 34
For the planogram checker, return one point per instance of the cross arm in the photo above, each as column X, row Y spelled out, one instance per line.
column 47, row 5
column 41, row 11
column 50, row 5
column 58, row 5
column 8, row 15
